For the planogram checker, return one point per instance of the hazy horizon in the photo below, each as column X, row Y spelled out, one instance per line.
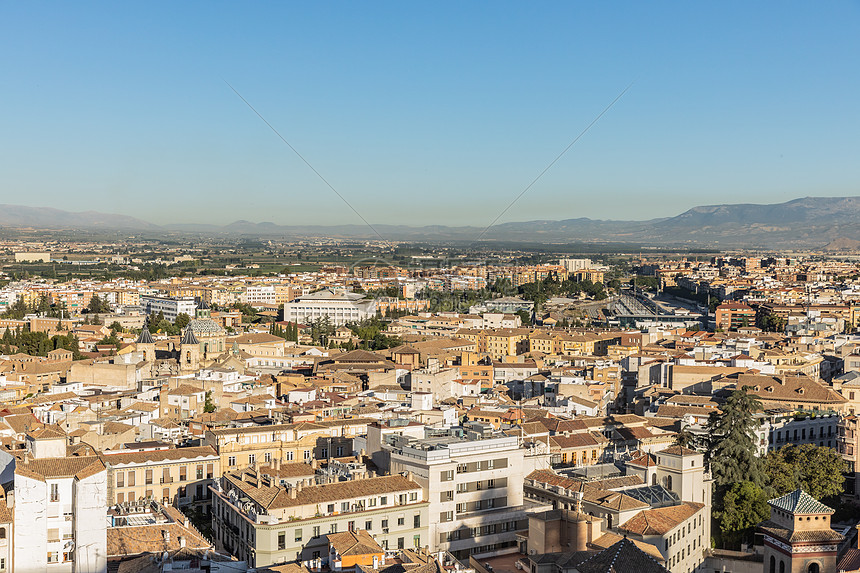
column 426, row 114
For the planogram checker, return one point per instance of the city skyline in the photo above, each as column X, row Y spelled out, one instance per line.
column 410, row 110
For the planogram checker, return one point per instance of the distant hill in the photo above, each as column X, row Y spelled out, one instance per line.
column 810, row 222
column 18, row 216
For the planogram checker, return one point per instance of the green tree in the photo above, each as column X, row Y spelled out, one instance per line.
column 819, row 471
column 182, row 320
column 731, row 451
column 209, row 405
column 116, row 326
column 744, row 507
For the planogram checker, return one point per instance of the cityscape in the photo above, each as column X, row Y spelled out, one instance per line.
column 430, row 288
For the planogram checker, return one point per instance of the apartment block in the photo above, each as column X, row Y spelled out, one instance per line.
column 260, row 520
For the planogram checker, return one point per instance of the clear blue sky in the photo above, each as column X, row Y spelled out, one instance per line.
column 426, row 113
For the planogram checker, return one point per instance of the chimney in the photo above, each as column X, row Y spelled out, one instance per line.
column 410, row 476
column 181, row 541
column 299, row 485
column 293, row 492
column 278, row 464
column 314, row 463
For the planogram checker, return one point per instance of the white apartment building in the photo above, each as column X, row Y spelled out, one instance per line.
column 573, row 265
column 60, row 521
column 339, row 307
column 170, row 306
column 474, row 485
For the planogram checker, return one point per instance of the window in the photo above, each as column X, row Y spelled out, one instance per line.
column 384, row 524
column 2, row 563
column 332, row 528
column 267, row 457
column 446, row 496
column 282, row 541
column 200, row 471
column 252, row 459
column 416, row 520
column 413, row 496
column 368, row 525
column 416, row 542
column 316, row 530
column 344, row 506
column 372, row 502
column 401, row 521
column 446, row 476
column 2, row 533
column 298, row 535
column 231, row 461
column 331, row 508
column 461, row 469
column 53, row 535
column 53, row 557
column 183, row 473
column 383, row 500
column 307, row 454
column 148, row 477
column 350, row 526
column 400, row 543
column 130, row 480
column 289, row 456
column 55, row 492
column 210, row 471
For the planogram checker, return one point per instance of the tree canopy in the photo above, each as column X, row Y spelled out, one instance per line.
column 732, row 441
column 815, row 469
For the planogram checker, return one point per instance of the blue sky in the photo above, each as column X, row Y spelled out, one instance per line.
column 425, row 113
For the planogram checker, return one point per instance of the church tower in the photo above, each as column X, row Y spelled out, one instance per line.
column 189, row 351
column 145, row 345
column 798, row 537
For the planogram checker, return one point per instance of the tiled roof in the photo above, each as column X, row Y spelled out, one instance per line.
column 151, row 539
column 354, row 543
column 159, row 456
column 678, row 451
column 279, row 497
column 795, row 536
column 609, row 539
column 661, row 520
column 799, row 502
column 41, row 468
column 623, row 557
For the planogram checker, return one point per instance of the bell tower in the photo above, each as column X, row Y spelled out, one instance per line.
column 189, row 352
column 145, row 345
column 798, row 537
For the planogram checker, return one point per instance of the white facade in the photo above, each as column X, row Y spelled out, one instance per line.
column 59, row 520
column 340, row 308
column 475, row 490
column 170, row 306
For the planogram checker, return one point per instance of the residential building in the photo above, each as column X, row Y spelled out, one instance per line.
column 338, row 307
column 260, row 520
column 473, row 485
column 175, row 476
column 169, row 306
column 59, row 514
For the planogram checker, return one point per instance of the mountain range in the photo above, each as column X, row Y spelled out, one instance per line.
column 810, row 222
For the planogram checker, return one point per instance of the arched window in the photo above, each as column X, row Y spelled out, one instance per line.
column 781, row 566
column 814, row 568
column 654, row 479
column 772, row 564
column 2, row 533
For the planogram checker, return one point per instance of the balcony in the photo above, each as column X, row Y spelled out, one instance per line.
column 166, row 480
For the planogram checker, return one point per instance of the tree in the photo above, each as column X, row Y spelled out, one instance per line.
column 525, row 316
column 182, row 320
column 732, row 448
column 97, row 305
column 116, row 326
column 208, row 406
column 744, row 507
column 819, row 471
